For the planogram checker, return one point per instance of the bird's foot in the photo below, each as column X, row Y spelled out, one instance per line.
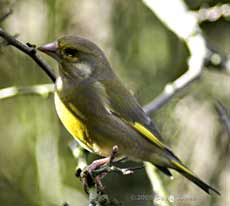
column 92, row 175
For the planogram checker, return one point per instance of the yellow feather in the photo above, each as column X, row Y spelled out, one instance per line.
column 180, row 166
column 148, row 134
column 75, row 126
column 156, row 141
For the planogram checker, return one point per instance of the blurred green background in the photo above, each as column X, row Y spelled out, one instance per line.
column 36, row 165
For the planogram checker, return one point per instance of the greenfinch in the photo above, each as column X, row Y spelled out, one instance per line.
column 100, row 112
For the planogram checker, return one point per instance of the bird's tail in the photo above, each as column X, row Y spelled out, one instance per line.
column 182, row 169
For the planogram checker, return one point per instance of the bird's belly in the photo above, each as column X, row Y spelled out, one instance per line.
column 72, row 123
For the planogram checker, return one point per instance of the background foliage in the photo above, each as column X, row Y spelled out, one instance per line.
column 36, row 165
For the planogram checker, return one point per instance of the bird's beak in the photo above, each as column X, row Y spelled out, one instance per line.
column 50, row 49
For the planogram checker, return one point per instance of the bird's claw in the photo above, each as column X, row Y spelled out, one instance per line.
column 92, row 175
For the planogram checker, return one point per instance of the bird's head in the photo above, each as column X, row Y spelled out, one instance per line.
column 78, row 57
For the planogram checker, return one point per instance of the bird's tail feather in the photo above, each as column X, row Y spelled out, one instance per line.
column 179, row 167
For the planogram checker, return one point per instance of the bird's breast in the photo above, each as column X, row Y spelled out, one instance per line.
column 72, row 123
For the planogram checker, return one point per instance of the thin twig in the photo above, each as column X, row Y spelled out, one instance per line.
column 79, row 154
column 161, row 195
column 41, row 90
column 29, row 51
column 213, row 13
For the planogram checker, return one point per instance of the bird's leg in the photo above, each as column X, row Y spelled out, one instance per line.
column 93, row 167
column 101, row 164
column 92, row 175
column 97, row 163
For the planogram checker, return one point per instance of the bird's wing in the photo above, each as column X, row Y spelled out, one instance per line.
column 120, row 102
column 123, row 104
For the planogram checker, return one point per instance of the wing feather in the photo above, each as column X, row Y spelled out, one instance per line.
column 123, row 104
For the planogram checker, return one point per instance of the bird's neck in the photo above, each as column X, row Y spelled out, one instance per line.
column 87, row 96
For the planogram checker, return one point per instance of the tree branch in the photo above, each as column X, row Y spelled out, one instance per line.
column 41, row 90
column 185, row 26
column 30, row 51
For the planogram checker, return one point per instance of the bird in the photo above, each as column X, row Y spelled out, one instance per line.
column 99, row 111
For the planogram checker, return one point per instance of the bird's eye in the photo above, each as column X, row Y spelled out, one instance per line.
column 70, row 52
